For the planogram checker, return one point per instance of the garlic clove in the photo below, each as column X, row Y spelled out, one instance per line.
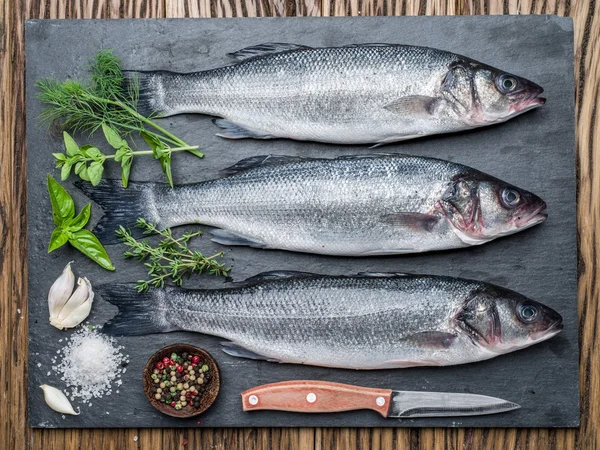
column 60, row 291
column 81, row 294
column 77, row 316
column 58, row 401
column 77, row 308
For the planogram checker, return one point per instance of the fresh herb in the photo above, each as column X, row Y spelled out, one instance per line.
column 107, row 101
column 171, row 258
column 88, row 161
column 69, row 228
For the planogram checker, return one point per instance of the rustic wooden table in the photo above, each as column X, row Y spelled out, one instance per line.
column 14, row 432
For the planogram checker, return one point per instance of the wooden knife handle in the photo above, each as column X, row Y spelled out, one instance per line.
column 316, row 397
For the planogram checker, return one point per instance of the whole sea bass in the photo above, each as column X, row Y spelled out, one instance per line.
column 357, row 94
column 353, row 206
column 365, row 321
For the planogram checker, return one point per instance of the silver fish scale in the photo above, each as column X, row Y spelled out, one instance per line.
column 353, row 322
column 334, row 95
column 324, row 206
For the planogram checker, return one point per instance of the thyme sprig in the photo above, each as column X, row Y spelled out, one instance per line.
column 171, row 258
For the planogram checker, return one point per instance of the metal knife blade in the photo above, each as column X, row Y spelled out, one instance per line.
column 442, row 404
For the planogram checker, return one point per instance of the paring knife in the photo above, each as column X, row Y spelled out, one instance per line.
column 325, row 397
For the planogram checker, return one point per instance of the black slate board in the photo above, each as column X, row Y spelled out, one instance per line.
column 534, row 151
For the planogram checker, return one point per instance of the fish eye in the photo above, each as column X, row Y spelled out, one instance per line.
column 511, row 197
column 527, row 313
column 507, row 84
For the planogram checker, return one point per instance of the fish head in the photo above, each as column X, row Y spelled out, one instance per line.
column 481, row 208
column 501, row 321
column 482, row 95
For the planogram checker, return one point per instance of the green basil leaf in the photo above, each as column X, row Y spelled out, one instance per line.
column 78, row 222
column 70, row 145
column 157, row 152
column 63, row 207
column 195, row 151
column 126, row 169
column 150, row 139
column 92, row 152
column 121, row 153
column 83, row 172
column 90, row 246
column 79, row 167
column 60, row 156
column 165, row 162
column 66, row 171
column 94, row 171
column 58, row 239
column 112, row 136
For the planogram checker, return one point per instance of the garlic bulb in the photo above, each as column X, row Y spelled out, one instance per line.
column 57, row 400
column 67, row 308
column 60, row 291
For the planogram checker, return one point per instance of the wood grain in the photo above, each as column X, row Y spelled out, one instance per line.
column 14, row 432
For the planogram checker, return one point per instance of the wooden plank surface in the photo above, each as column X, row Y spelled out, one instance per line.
column 14, row 432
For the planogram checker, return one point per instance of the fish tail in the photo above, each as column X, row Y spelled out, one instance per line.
column 139, row 312
column 150, row 92
column 122, row 207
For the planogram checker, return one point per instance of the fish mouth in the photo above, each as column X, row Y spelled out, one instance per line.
column 530, row 100
column 556, row 327
column 537, row 216
column 531, row 103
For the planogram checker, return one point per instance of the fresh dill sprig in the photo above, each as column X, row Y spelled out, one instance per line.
column 170, row 259
column 108, row 100
column 107, row 78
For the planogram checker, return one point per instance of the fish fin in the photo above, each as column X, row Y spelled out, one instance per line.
column 398, row 138
column 279, row 275
column 233, row 131
column 121, row 206
column 383, row 274
column 369, row 155
column 433, row 339
column 149, row 86
column 264, row 49
column 275, row 160
column 263, row 160
column 412, row 221
column 392, row 251
column 414, row 105
column 403, row 364
column 374, row 44
column 139, row 312
column 240, row 352
column 225, row 237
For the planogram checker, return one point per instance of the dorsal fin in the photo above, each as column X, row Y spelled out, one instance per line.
column 374, row 44
column 279, row 275
column 275, row 160
column 285, row 274
column 265, row 49
column 262, row 160
column 382, row 274
column 369, row 155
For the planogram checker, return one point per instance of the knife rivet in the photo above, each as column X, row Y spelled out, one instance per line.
column 311, row 398
column 253, row 399
column 380, row 401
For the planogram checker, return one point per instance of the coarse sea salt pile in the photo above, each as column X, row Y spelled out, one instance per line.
column 90, row 363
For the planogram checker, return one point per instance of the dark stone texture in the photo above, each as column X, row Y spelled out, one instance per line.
column 534, row 151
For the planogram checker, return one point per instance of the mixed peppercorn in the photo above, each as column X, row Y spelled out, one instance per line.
column 180, row 381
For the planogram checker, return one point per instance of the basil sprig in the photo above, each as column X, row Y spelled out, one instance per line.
column 69, row 227
column 88, row 161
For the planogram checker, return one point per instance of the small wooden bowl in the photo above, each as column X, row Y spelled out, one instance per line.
column 212, row 387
